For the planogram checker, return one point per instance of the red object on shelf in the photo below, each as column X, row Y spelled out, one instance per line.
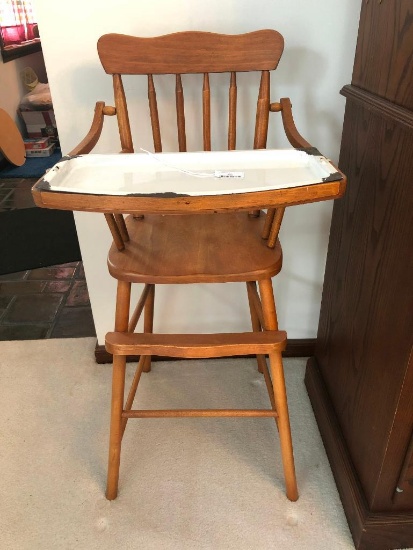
column 33, row 143
column 41, row 152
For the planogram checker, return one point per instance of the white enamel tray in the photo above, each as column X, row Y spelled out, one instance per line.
column 191, row 174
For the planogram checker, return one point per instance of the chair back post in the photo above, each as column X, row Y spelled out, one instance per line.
column 122, row 115
column 206, row 113
column 180, row 113
column 153, row 110
column 263, row 112
column 232, row 116
column 261, row 119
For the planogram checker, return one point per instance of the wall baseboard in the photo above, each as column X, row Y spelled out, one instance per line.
column 300, row 347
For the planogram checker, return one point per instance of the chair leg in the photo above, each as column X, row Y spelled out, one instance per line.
column 118, row 387
column 255, row 322
column 148, row 322
column 284, row 430
column 280, row 395
column 268, row 304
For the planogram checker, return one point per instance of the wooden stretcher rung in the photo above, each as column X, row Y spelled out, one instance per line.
column 256, row 304
column 191, row 413
column 139, row 308
column 196, row 345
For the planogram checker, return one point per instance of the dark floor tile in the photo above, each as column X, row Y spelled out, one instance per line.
column 5, row 193
column 78, row 296
column 40, row 308
column 7, row 206
column 23, row 332
column 57, row 286
column 70, row 264
column 4, row 303
column 31, row 301
column 12, row 182
column 19, row 199
column 80, row 271
column 74, row 322
column 25, row 184
column 21, row 287
column 14, row 276
column 51, row 273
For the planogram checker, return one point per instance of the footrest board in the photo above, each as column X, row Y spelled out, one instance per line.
column 196, row 345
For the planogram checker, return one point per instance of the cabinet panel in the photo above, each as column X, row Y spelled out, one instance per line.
column 360, row 381
column 403, row 497
column 384, row 53
column 366, row 323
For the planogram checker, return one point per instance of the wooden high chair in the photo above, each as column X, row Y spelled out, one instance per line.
column 172, row 239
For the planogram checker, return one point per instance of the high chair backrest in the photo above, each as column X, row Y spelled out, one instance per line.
column 187, row 53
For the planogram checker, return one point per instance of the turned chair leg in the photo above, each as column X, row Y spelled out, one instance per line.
column 115, row 441
column 148, row 322
column 284, row 430
column 280, row 395
column 118, row 387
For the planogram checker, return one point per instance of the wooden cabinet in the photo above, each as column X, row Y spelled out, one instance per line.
column 360, row 380
column 383, row 64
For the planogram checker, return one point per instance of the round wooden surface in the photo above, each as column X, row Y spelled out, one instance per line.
column 11, row 142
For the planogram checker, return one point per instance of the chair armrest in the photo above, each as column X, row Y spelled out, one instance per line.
column 293, row 135
column 92, row 137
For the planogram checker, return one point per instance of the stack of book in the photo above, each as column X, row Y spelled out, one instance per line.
column 41, row 147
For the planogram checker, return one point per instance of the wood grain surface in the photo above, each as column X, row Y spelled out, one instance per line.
column 190, row 52
column 11, row 141
column 384, row 54
column 195, row 248
column 196, row 345
column 368, row 299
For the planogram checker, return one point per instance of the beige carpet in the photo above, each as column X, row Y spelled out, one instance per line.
column 185, row 483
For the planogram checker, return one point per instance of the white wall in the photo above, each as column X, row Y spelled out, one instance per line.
column 319, row 50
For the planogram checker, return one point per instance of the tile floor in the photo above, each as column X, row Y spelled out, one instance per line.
column 49, row 302
column 15, row 193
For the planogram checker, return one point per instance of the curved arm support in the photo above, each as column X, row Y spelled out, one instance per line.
column 115, row 222
column 92, row 137
column 293, row 135
column 275, row 215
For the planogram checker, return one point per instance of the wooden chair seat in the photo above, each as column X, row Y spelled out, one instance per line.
column 195, row 248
